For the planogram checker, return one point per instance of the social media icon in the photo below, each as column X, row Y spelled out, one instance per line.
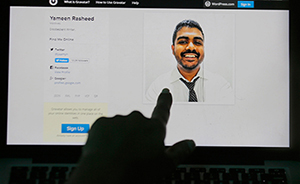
column 53, row 2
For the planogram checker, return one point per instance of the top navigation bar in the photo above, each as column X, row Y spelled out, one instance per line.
column 195, row 4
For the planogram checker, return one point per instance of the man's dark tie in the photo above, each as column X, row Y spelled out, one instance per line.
column 190, row 85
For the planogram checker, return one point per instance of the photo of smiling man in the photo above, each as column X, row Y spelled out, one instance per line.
column 189, row 82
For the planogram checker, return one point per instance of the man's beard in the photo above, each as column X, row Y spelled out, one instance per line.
column 186, row 67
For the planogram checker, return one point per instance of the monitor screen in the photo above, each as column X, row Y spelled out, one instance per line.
column 71, row 62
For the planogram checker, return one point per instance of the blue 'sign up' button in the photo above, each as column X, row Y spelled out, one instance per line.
column 245, row 4
column 75, row 128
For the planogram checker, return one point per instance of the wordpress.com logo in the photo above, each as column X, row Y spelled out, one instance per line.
column 207, row 3
column 53, row 2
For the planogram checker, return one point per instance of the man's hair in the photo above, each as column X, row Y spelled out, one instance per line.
column 186, row 23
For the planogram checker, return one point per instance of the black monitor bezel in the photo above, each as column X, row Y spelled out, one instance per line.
column 202, row 155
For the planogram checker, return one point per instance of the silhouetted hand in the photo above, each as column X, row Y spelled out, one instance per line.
column 130, row 149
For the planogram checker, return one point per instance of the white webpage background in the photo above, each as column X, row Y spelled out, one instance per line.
column 259, row 117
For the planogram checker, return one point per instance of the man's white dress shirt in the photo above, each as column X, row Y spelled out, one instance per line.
column 209, row 88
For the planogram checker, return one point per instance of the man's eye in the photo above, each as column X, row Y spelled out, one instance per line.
column 198, row 43
column 182, row 42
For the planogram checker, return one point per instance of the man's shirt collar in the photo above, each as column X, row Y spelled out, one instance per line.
column 176, row 75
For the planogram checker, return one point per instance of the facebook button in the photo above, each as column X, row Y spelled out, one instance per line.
column 245, row 4
column 75, row 128
column 61, row 60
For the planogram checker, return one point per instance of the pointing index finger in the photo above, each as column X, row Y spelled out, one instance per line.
column 161, row 111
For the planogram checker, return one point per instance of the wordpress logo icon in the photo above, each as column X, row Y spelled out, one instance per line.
column 207, row 3
column 53, row 2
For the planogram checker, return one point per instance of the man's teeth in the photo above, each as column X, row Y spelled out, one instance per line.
column 190, row 56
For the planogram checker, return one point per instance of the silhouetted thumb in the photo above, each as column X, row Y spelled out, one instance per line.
column 180, row 151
